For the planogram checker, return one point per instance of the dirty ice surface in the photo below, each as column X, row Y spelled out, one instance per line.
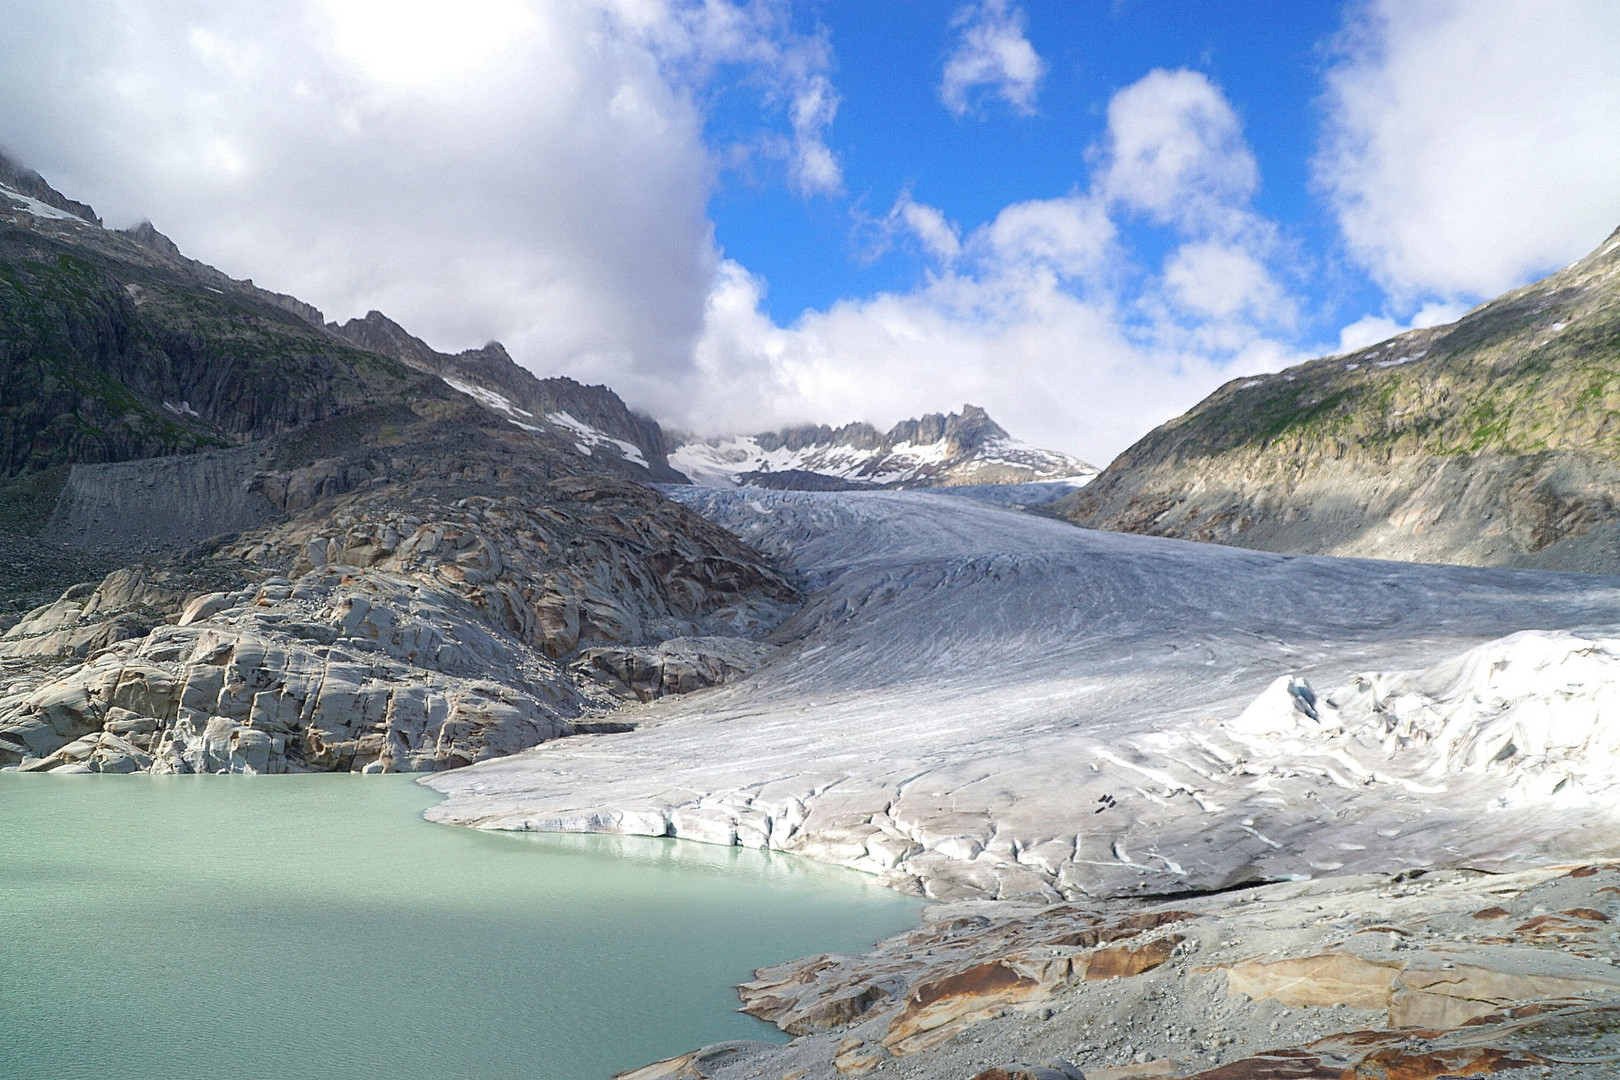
column 982, row 702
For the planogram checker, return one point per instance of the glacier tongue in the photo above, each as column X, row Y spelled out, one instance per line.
column 978, row 702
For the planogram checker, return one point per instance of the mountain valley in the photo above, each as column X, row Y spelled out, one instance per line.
column 1330, row 797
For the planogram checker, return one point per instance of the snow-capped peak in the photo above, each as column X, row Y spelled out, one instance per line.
column 966, row 448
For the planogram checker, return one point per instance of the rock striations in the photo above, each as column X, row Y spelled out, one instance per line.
column 1494, row 441
column 963, row 448
column 323, row 557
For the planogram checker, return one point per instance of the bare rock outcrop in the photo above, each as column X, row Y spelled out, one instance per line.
column 387, row 629
column 1416, row 976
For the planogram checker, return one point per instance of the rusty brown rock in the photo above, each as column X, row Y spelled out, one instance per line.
column 936, row 1010
column 1590, row 914
column 1121, row 962
column 1552, row 926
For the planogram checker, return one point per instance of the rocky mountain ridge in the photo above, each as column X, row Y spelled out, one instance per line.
column 1491, row 441
column 321, row 557
column 936, row 450
column 592, row 418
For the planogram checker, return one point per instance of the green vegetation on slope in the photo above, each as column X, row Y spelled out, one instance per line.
column 106, row 355
column 1537, row 370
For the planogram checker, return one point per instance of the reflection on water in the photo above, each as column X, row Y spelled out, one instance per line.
column 293, row 927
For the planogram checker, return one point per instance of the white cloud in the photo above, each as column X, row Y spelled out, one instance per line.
column 938, row 235
column 1176, row 152
column 1371, row 329
column 515, row 169
column 1471, row 146
column 991, row 51
column 1072, row 236
column 815, row 167
column 1222, row 280
column 1034, row 314
column 1037, row 356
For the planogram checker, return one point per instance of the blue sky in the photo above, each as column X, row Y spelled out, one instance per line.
column 1083, row 216
column 892, row 131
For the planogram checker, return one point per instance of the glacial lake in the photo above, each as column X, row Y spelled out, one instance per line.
column 291, row 927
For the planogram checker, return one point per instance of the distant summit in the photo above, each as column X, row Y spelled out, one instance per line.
column 936, row 450
column 19, row 180
column 592, row 419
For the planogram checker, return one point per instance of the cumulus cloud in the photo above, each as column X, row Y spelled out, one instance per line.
column 1371, row 329
column 993, row 53
column 1071, row 236
column 1222, row 280
column 1472, row 146
column 530, row 171
column 1033, row 314
column 1038, row 356
column 1176, row 152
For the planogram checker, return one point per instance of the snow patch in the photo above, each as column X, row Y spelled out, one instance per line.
column 39, row 209
column 590, row 437
column 585, row 437
column 723, row 462
column 488, row 398
column 1399, row 360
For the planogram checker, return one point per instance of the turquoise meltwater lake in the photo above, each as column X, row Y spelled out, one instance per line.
column 290, row 927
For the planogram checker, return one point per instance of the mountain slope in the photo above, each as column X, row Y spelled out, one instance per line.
column 320, row 556
column 1491, row 441
column 934, row 451
column 591, row 418
column 113, row 348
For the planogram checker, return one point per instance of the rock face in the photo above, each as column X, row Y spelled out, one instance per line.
column 591, row 418
column 115, row 349
column 935, row 451
column 386, row 630
column 326, row 559
column 1490, row 442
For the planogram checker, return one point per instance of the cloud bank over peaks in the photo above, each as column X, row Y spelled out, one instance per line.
column 531, row 171
column 1039, row 314
column 991, row 53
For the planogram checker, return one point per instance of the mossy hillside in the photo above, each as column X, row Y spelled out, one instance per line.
column 105, row 359
column 1537, row 370
column 1487, row 442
